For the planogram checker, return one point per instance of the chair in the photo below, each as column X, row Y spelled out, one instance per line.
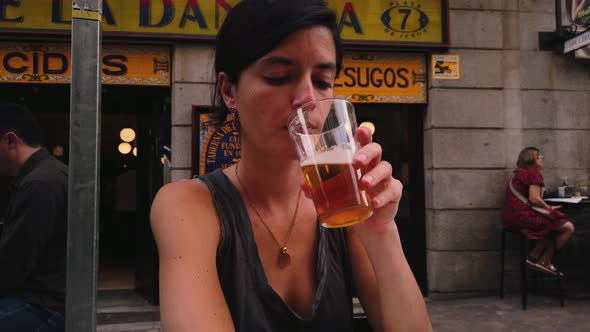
column 524, row 271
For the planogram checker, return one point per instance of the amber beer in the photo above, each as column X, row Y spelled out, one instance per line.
column 334, row 189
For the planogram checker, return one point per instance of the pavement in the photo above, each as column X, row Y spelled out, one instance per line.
column 495, row 314
column 473, row 315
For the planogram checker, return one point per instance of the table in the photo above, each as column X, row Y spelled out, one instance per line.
column 573, row 258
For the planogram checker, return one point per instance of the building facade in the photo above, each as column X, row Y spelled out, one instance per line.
column 511, row 95
column 454, row 149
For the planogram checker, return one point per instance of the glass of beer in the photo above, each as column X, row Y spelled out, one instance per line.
column 323, row 132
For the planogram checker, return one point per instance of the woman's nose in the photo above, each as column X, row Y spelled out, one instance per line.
column 304, row 93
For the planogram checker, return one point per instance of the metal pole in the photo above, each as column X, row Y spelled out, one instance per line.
column 84, row 167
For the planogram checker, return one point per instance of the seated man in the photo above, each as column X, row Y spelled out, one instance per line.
column 33, row 241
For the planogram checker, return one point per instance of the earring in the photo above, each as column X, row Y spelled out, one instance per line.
column 233, row 110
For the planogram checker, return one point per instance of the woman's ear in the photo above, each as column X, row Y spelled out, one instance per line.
column 227, row 89
column 9, row 140
column 11, row 137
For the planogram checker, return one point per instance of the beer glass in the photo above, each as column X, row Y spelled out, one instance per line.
column 323, row 132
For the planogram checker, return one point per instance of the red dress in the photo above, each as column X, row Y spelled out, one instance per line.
column 519, row 216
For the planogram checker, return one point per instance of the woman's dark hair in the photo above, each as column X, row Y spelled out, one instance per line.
column 527, row 158
column 255, row 27
column 20, row 120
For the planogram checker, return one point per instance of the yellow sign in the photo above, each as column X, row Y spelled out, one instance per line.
column 382, row 78
column 446, row 67
column 413, row 22
column 51, row 63
column 416, row 22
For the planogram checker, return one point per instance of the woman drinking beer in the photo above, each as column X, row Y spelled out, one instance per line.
column 240, row 248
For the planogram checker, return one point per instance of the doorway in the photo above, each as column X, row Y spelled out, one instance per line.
column 399, row 131
column 130, row 172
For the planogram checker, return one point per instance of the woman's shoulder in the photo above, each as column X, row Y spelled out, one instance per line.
column 527, row 171
column 529, row 176
column 184, row 205
column 181, row 192
column 534, row 172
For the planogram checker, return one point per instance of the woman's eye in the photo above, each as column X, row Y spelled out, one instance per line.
column 323, row 85
column 276, row 80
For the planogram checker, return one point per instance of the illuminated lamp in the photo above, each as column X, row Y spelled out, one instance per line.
column 127, row 134
column 370, row 125
column 124, row 148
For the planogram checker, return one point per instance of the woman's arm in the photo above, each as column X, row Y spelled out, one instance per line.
column 364, row 280
column 186, row 228
column 535, row 197
column 385, row 284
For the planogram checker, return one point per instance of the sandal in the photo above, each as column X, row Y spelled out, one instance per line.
column 552, row 269
column 531, row 262
column 549, row 268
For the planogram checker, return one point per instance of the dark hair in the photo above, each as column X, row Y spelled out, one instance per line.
column 527, row 158
column 255, row 27
column 20, row 120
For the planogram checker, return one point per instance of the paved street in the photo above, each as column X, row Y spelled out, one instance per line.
column 493, row 314
column 475, row 315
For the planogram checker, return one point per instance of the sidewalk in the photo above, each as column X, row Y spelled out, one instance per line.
column 494, row 314
column 485, row 314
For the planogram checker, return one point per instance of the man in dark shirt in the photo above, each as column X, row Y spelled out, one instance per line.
column 33, row 240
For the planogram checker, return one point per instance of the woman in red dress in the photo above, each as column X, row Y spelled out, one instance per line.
column 525, row 211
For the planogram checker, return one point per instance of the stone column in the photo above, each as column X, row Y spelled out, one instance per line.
column 192, row 79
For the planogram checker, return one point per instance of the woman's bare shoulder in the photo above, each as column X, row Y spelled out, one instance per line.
column 183, row 190
column 182, row 206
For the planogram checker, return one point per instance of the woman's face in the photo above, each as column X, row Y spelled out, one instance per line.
column 539, row 161
column 301, row 69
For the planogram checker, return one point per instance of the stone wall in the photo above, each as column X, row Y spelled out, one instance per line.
column 510, row 95
column 193, row 79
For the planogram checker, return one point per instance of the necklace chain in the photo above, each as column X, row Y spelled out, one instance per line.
column 282, row 247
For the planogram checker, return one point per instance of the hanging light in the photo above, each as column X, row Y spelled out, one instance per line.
column 370, row 125
column 127, row 134
column 124, row 148
column 135, row 151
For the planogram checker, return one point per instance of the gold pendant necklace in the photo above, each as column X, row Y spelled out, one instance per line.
column 284, row 258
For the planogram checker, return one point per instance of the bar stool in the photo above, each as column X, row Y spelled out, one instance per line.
column 524, row 271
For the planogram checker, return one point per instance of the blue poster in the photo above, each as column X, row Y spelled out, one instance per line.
column 219, row 146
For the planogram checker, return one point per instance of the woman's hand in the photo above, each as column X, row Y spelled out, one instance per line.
column 384, row 191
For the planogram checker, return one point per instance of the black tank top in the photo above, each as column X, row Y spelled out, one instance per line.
column 252, row 302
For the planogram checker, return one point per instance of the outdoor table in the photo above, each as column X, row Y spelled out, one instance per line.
column 573, row 258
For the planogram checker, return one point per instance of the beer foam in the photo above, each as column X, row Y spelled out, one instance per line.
column 334, row 156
